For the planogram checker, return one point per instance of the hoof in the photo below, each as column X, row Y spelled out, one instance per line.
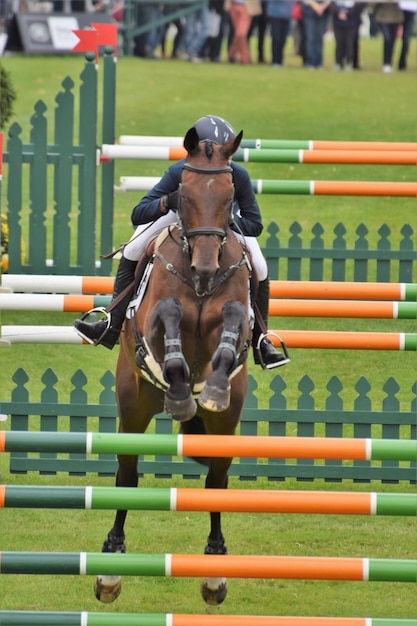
column 214, row 591
column 180, row 410
column 107, row 588
column 214, row 399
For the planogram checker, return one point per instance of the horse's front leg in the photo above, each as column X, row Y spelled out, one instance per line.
column 216, row 393
column 179, row 402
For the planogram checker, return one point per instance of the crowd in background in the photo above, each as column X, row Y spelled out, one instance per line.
column 201, row 34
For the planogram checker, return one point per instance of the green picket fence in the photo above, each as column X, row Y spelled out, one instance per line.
column 363, row 420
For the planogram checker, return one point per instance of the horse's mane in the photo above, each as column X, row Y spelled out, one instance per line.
column 209, row 149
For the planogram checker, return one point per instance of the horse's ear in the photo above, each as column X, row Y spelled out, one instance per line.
column 231, row 146
column 191, row 140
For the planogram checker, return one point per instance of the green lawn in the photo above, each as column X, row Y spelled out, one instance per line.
column 164, row 98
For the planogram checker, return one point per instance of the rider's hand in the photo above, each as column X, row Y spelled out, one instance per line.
column 163, row 205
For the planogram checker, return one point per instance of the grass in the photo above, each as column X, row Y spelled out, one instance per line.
column 163, row 98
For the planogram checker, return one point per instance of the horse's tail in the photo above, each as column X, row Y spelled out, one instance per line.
column 195, row 426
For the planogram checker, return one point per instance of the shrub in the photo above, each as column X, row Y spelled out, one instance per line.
column 7, row 97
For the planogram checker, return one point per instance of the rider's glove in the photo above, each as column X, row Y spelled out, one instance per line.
column 168, row 202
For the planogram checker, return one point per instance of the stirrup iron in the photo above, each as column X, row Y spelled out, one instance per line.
column 107, row 319
column 264, row 365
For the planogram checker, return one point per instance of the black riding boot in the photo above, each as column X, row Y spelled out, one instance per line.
column 264, row 351
column 101, row 332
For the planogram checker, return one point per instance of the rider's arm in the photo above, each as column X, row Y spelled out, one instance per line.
column 246, row 211
column 150, row 208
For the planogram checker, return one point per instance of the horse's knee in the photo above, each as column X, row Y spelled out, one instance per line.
column 234, row 313
column 170, row 311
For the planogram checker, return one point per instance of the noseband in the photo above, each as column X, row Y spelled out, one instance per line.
column 207, row 230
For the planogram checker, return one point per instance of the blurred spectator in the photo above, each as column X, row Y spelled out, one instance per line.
column 345, row 15
column 63, row 6
column 409, row 9
column 356, row 41
column 179, row 24
column 315, row 16
column 196, row 31
column 219, row 22
column 241, row 13
column 259, row 25
column 389, row 18
column 153, row 37
column 299, row 32
column 116, row 10
column 279, row 15
column 146, row 43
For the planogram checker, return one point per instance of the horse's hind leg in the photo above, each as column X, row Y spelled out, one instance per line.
column 214, row 590
column 216, row 393
column 179, row 403
column 137, row 403
column 108, row 588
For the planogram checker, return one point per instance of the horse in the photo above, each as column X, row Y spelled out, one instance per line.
column 184, row 348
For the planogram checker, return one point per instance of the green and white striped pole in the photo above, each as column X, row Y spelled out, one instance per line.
column 213, row 565
column 219, row 445
column 85, row 618
column 222, row 500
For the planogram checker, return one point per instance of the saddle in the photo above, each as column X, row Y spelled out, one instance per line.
column 140, row 271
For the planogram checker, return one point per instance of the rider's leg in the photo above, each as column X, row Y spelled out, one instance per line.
column 100, row 332
column 264, row 351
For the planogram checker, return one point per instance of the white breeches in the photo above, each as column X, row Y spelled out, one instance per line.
column 136, row 246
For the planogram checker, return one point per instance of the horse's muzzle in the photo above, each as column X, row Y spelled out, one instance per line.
column 203, row 282
column 205, row 263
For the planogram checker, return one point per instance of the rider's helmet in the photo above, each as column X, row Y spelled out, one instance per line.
column 215, row 129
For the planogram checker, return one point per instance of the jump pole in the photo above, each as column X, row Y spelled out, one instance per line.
column 286, row 144
column 338, row 340
column 342, row 340
column 86, row 618
column 297, row 187
column 222, row 500
column 248, row 155
column 39, row 283
column 51, row 302
column 213, row 565
column 337, row 290
column 342, row 309
column 279, row 308
column 219, row 445
column 41, row 334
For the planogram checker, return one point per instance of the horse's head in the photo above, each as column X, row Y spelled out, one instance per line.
column 205, row 204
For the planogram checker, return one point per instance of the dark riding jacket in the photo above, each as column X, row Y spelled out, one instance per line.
column 246, row 213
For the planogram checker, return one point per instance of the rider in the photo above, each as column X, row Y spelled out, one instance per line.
column 153, row 214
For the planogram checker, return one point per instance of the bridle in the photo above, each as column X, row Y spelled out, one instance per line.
column 205, row 230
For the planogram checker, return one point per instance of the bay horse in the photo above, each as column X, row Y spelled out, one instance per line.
column 184, row 348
